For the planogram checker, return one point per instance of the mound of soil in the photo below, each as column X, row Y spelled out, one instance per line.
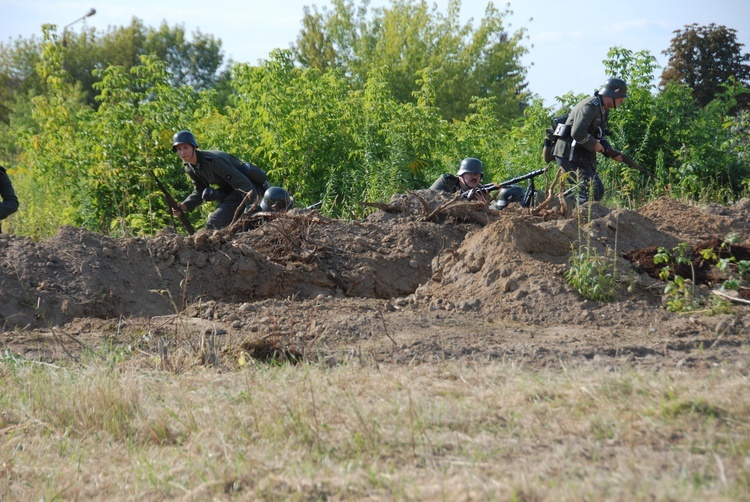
column 422, row 278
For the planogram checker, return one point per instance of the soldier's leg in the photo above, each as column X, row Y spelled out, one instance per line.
column 585, row 176
column 580, row 190
column 224, row 212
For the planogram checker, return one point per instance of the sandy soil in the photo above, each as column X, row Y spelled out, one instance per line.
column 416, row 281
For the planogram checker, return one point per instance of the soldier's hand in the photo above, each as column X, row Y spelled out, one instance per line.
column 181, row 208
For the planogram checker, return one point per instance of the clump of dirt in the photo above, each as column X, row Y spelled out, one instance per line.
column 425, row 275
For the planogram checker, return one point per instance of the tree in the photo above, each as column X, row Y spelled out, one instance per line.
column 195, row 62
column 409, row 39
column 17, row 76
column 705, row 58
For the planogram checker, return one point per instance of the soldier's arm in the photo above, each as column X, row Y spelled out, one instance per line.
column 194, row 199
column 227, row 172
column 583, row 117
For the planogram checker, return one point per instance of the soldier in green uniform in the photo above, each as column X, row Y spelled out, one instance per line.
column 582, row 136
column 470, row 173
column 234, row 179
column 276, row 200
column 9, row 205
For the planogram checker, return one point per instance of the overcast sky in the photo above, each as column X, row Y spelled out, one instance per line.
column 567, row 39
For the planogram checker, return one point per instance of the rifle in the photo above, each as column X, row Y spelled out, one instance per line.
column 611, row 153
column 483, row 190
column 173, row 205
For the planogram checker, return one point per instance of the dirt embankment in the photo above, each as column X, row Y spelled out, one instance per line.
column 410, row 269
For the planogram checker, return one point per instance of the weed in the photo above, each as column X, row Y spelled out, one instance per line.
column 590, row 273
column 680, row 292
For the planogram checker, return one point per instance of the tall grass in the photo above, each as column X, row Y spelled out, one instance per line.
column 444, row 431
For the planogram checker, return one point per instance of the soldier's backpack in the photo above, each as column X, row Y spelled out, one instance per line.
column 557, row 131
column 255, row 174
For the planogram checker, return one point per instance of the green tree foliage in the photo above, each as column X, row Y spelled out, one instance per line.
column 694, row 151
column 704, row 58
column 326, row 133
column 410, row 38
column 196, row 62
column 323, row 141
column 18, row 77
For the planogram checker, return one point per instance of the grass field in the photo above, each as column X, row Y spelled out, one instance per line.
column 117, row 429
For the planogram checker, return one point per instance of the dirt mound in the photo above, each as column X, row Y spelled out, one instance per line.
column 421, row 264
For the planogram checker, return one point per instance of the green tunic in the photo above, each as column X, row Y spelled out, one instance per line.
column 587, row 120
column 214, row 168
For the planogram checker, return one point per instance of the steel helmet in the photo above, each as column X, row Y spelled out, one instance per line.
column 183, row 137
column 509, row 194
column 614, row 88
column 471, row 165
column 276, row 199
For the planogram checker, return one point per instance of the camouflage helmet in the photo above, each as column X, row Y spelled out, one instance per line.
column 509, row 194
column 614, row 88
column 181, row 137
column 471, row 165
column 276, row 199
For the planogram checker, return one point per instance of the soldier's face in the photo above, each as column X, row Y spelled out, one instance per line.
column 470, row 180
column 186, row 153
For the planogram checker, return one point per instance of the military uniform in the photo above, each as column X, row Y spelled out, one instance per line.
column 447, row 183
column 218, row 168
column 9, row 205
column 575, row 150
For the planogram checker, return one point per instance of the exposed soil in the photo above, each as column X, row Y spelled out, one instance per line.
column 411, row 283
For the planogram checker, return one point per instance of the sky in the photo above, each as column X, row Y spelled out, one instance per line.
column 567, row 39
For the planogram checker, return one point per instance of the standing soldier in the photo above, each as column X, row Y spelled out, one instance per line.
column 9, row 205
column 582, row 136
column 234, row 179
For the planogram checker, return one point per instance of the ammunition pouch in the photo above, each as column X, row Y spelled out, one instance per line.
column 559, row 129
column 562, row 131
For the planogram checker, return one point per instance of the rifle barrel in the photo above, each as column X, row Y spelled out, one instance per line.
column 526, row 176
column 490, row 187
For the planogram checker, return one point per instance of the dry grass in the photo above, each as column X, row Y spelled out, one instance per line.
column 360, row 431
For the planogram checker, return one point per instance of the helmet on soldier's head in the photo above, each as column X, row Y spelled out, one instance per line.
column 614, row 88
column 471, row 165
column 181, row 137
column 509, row 194
column 276, row 199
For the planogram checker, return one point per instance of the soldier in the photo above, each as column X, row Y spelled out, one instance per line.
column 9, row 205
column 470, row 173
column 234, row 178
column 583, row 133
column 276, row 200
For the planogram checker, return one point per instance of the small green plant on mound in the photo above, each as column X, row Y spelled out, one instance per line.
column 592, row 274
column 737, row 271
column 680, row 292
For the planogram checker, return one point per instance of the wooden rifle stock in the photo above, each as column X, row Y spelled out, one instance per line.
column 173, row 205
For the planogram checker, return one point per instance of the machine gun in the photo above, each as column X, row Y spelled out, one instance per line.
column 173, row 205
column 514, row 192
